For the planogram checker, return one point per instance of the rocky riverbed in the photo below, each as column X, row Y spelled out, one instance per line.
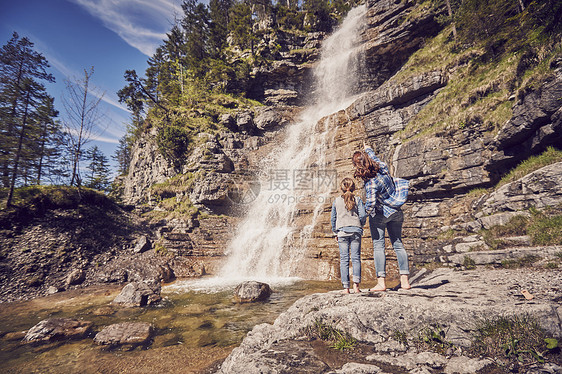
column 446, row 304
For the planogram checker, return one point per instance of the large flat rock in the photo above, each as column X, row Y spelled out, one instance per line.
column 453, row 300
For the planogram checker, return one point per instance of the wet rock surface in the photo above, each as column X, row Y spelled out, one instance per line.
column 126, row 334
column 453, row 300
column 54, row 329
column 139, row 294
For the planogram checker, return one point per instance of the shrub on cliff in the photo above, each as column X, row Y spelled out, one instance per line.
column 173, row 142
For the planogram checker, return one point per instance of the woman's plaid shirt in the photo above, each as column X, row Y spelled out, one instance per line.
column 379, row 188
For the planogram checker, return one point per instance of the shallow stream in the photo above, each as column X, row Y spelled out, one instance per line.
column 195, row 330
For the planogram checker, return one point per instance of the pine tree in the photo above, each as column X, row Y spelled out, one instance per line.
column 152, row 80
column 21, row 70
column 196, row 24
column 241, row 26
column 219, row 18
column 173, row 70
column 49, row 142
column 123, row 154
column 32, row 93
column 98, row 170
column 319, row 10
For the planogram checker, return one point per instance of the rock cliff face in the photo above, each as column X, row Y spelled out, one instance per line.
column 442, row 166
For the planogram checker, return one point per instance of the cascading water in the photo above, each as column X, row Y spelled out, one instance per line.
column 259, row 248
column 265, row 246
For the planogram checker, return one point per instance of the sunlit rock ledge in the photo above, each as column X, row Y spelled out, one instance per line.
column 452, row 300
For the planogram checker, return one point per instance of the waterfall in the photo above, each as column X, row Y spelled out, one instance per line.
column 266, row 245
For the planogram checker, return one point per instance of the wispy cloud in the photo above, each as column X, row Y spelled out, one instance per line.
column 141, row 23
column 91, row 136
column 73, row 75
column 105, row 139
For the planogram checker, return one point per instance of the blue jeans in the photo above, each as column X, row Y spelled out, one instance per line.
column 350, row 245
column 393, row 224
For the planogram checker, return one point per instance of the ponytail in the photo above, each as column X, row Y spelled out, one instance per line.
column 347, row 187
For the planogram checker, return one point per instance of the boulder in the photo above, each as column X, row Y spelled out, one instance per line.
column 245, row 122
column 251, row 291
column 77, row 276
column 498, row 256
column 111, row 275
column 538, row 189
column 281, row 357
column 269, row 119
column 126, row 334
column 58, row 329
column 228, row 121
column 356, row 368
column 134, row 268
column 52, row 290
column 139, row 294
column 143, row 244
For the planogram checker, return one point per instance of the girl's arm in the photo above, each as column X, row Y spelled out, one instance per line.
column 333, row 218
column 361, row 211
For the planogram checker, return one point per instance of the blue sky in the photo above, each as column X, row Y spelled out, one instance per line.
column 110, row 35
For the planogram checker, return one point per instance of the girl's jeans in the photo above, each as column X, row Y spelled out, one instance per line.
column 350, row 245
column 393, row 224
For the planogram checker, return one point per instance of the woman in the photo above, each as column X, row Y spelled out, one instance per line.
column 380, row 189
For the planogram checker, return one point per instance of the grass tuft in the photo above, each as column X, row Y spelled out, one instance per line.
column 512, row 340
column 433, row 338
column 339, row 340
column 543, row 227
column 548, row 157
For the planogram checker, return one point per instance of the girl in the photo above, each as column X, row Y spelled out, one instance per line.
column 348, row 218
column 380, row 192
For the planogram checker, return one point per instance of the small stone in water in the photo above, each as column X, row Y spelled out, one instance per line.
column 125, row 334
column 252, row 291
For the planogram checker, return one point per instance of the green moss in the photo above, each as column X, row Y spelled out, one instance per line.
column 514, row 227
column 447, row 235
column 477, row 192
column 543, row 227
column 181, row 183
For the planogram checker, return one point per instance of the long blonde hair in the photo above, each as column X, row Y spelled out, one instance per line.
column 347, row 187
